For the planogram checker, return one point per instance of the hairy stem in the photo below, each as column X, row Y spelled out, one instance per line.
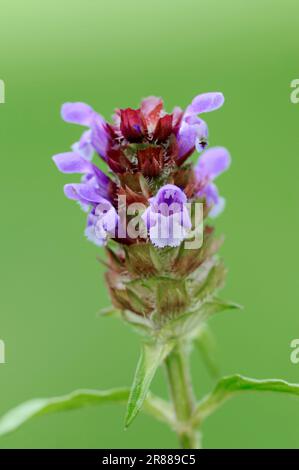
column 181, row 391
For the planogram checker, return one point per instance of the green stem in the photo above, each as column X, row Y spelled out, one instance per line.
column 181, row 391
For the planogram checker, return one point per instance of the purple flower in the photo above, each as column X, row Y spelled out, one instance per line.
column 78, row 113
column 204, row 103
column 101, row 223
column 194, row 130
column 211, row 164
column 167, row 218
column 94, row 184
column 81, row 113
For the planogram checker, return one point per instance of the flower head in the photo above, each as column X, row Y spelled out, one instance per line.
column 144, row 155
column 145, row 151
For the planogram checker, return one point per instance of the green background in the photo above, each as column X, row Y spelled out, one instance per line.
column 111, row 54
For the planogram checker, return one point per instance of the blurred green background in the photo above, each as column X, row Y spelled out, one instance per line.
column 111, row 54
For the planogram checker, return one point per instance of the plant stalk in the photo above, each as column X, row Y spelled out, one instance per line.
column 181, row 392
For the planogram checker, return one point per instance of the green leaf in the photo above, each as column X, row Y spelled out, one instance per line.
column 233, row 385
column 152, row 356
column 206, row 345
column 154, row 406
column 41, row 406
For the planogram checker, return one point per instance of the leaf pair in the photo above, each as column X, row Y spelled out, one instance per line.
column 226, row 388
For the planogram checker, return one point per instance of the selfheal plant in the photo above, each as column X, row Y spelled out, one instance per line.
column 162, row 285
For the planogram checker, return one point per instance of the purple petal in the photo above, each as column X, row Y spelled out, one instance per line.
column 81, row 113
column 84, row 147
column 185, row 218
column 205, row 102
column 192, row 129
column 93, row 235
column 102, row 179
column 100, row 137
column 100, row 182
column 212, row 162
column 71, row 162
column 210, row 192
column 217, row 208
column 101, row 223
column 108, row 216
column 213, row 200
column 170, row 194
column 167, row 231
column 89, row 192
column 70, row 192
column 84, row 206
column 186, row 140
column 77, row 113
column 84, row 193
